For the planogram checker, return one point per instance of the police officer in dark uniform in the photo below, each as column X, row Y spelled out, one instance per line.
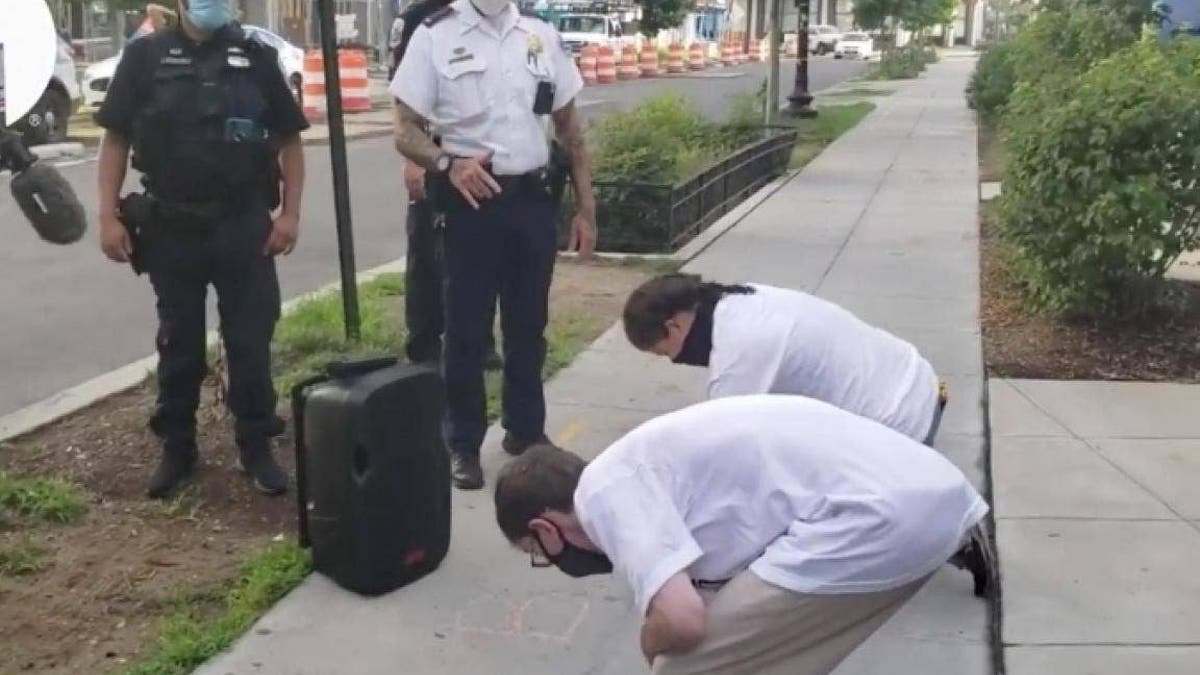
column 215, row 132
column 423, row 273
column 489, row 79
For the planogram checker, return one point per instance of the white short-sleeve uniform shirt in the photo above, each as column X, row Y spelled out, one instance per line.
column 476, row 84
column 781, row 341
column 807, row 496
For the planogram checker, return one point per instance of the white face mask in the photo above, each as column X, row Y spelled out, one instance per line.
column 491, row 7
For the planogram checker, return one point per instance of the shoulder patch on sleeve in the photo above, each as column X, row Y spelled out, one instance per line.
column 437, row 16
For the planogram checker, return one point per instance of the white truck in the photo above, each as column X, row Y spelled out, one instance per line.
column 580, row 30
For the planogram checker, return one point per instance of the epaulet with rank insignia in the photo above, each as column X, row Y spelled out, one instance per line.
column 437, row 16
column 531, row 14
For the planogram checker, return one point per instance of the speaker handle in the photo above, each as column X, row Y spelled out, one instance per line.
column 298, row 402
column 340, row 370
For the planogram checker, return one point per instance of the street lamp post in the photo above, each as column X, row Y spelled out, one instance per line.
column 799, row 101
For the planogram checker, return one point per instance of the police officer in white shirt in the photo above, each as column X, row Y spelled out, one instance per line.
column 486, row 77
column 758, row 339
column 759, row 534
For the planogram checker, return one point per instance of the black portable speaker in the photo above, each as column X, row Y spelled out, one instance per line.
column 372, row 473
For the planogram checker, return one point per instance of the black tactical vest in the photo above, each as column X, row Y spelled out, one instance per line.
column 200, row 135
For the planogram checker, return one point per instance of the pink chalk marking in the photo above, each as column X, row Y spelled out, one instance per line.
column 513, row 624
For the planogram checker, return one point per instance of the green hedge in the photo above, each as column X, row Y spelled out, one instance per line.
column 1100, row 190
column 1056, row 44
column 659, row 142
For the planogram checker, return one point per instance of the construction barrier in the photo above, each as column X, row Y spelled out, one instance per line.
column 649, row 60
column 729, row 54
column 606, row 65
column 587, row 64
column 352, row 73
column 675, row 58
column 755, row 53
column 696, row 60
column 356, row 88
column 313, row 86
column 628, row 68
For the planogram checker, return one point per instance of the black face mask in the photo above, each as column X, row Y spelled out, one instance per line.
column 697, row 346
column 575, row 561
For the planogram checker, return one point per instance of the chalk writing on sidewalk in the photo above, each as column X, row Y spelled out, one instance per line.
column 523, row 618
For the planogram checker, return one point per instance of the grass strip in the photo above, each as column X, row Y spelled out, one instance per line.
column 46, row 499
column 814, row 135
column 198, row 631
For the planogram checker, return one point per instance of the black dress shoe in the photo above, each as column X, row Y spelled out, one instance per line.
column 466, row 471
column 516, row 446
column 256, row 461
column 977, row 557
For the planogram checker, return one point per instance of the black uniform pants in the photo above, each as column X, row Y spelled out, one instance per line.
column 423, row 281
column 181, row 262
column 507, row 248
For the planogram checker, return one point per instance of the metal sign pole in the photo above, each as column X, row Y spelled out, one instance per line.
column 337, row 157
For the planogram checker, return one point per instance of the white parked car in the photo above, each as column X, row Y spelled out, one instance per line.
column 823, row 39
column 97, row 76
column 48, row 119
column 854, row 46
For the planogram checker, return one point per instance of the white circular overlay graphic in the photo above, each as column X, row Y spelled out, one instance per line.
column 30, row 48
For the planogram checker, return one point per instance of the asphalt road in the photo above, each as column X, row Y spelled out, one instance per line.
column 71, row 315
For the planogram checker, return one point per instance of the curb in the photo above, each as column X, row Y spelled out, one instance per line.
column 55, row 407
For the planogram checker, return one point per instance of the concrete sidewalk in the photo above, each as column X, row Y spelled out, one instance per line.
column 1098, row 526
column 885, row 222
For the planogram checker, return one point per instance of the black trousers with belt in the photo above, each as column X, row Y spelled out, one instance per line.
column 182, row 260
column 506, row 249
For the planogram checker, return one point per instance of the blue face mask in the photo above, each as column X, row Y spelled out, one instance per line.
column 209, row 15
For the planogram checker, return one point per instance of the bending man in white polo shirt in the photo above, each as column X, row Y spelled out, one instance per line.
column 758, row 339
column 760, row 534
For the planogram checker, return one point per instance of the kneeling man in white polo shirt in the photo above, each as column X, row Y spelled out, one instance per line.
column 760, row 534
column 759, row 339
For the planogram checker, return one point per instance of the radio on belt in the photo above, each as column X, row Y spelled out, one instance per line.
column 543, row 101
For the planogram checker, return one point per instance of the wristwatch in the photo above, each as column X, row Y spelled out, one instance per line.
column 442, row 162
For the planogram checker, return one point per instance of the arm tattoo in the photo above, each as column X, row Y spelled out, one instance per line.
column 569, row 130
column 411, row 138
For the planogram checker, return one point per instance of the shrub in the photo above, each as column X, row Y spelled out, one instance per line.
column 1057, row 44
column 1101, row 181
column 992, row 82
column 644, row 151
column 903, row 63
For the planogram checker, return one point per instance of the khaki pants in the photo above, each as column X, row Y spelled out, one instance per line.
column 760, row 629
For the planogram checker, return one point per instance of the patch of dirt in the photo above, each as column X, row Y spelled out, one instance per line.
column 111, row 577
column 1024, row 345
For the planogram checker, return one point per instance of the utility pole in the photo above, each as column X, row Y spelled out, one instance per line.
column 775, row 40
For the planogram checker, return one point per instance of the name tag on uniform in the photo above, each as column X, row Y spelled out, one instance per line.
column 238, row 61
column 460, row 55
column 176, row 61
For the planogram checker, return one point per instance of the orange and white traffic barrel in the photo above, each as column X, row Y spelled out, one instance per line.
column 587, row 64
column 675, row 58
column 649, row 60
column 313, row 86
column 628, row 68
column 606, row 65
column 729, row 54
column 356, row 88
column 695, row 58
column 754, row 54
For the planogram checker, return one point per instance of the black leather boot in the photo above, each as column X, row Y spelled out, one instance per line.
column 466, row 471
column 177, row 463
column 256, row 461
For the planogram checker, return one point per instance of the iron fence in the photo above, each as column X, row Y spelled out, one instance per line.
column 661, row 218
